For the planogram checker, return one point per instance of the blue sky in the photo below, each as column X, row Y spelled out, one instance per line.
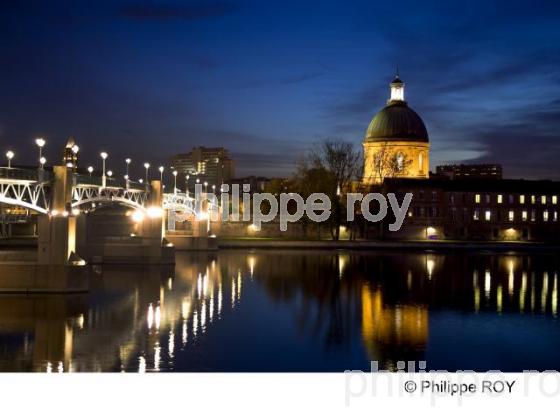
column 269, row 79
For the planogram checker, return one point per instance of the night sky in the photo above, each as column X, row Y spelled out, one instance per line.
column 268, row 79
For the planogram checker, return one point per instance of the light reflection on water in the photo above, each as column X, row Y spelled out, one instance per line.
column 294, row 311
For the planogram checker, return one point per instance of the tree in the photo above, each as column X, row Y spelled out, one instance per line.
column 339, row 164
column 387, row 162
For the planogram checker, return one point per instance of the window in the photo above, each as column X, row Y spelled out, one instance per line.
column 555, row 216
column 400, row 161
column 543, row 199
column 554, row 199
column 500, row 198
column 510, row 198
column 477, row 198
column 522, row 199
column 524, row 216
column 420, row 162
column 533, row 199
column 511, row 215
column 533, row 215
column 434, row 196
column 487, row 215
column 545, row 216
column 476, row 215
column 487, row 198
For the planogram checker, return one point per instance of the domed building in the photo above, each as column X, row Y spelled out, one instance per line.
column 396, row 143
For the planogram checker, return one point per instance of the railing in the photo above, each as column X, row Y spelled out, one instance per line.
column 110, row 182
column 33, row 175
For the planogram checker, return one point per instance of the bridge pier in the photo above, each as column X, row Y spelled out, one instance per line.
column 57, row 231
column 153, row 228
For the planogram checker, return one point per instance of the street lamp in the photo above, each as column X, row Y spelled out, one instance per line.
column 40, row 143
column 75, row 149
column 10, row 155
column 161, row 168
column 128, row 161
column 187, row 178
column 109, row 173
column 147, row 166
column 104, row 155
column 205, row 187
column 90, row 170
column 42, row 161
column 175, row 177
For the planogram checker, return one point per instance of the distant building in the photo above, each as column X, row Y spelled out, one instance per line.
column 483, row 209
column 211, row 165
column 475, row 171
column 256, row 184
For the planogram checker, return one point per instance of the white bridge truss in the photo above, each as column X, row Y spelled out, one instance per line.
column 83, row 195
column 27, row 194
column 35, row 194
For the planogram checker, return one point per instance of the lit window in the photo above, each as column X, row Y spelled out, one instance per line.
column 554, row 199
column 533, row 215
column 476, row 215
column 545, row 216
column 400, row 161
column 500, row 198
column 420, row 162
column 487, row 197
column 533, row 199
column 521, row 199
column 477, row 198
column 511, row 216
column 487, row 215
column 555, row 216
column 543, row 199
column 524, row 216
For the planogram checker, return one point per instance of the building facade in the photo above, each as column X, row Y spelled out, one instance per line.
column 483, row 209
column 458, row 171
column 396, row 143
column 211, row 165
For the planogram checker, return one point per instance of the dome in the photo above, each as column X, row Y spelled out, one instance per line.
column 396, row 122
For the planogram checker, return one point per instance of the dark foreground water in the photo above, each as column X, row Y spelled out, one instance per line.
column 295, row 311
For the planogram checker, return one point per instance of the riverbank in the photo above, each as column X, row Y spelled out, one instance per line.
column 272, row 243
column 275, row 243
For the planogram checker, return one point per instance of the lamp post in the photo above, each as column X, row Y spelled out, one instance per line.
column 90, row 170
column 147, row 166
column 161, row 169
column 175, row 184
column 10, row 155
column 40, row 143
column 42, row 161
column 104, row 155
column 187, row 178
column 205, row 187
column 128, row 161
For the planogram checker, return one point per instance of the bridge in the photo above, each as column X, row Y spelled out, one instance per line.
column 61, row 196
column 31, row 189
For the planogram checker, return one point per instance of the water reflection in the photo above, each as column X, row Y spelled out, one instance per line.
column 279, row 310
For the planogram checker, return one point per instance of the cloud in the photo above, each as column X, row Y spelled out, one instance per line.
column 294, row 79
column 161, row 12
